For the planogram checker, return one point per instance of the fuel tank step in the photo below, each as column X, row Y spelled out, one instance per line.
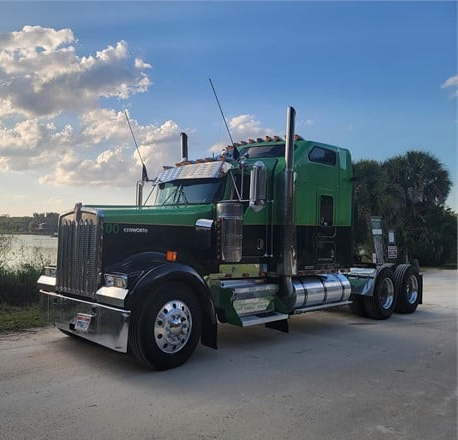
column 262, row 318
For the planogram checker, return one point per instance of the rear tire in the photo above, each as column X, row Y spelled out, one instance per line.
column 383, row 300
column 164, row 331
column 408, row 285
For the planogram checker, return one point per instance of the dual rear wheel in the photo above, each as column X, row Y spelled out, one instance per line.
column 397, row 291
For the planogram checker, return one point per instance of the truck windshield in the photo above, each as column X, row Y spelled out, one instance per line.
column 187, row 192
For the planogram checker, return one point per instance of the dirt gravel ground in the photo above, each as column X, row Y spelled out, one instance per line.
column 334, row 376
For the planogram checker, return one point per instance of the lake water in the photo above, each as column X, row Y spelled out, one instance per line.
column 33, row 248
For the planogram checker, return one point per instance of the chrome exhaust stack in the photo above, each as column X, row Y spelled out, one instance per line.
column 184, row 147
column 288, row 263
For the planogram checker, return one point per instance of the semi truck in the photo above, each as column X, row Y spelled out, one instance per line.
column 254, row 236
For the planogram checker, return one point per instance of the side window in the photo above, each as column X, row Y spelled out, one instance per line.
column 238, row 183
column 323, row 156
column 326, row 211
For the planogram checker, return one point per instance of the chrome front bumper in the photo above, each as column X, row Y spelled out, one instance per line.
column 109, row 326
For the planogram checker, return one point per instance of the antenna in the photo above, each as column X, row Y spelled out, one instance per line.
column 222, row 114
column 144, row 172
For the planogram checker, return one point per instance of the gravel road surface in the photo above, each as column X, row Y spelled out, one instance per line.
column 334, row 376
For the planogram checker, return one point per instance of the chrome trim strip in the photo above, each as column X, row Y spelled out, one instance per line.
column 323, row 306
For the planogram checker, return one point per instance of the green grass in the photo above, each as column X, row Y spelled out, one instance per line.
column 19, row 318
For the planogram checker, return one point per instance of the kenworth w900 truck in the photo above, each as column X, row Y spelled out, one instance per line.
column 250, row 238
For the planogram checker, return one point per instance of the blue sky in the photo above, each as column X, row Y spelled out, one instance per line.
column 376, row 77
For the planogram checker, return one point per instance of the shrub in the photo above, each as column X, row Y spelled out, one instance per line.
column 18, row 285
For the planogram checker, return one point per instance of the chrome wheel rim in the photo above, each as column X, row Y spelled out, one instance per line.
column 387, row 293
column 412, row 289
column 172, row 326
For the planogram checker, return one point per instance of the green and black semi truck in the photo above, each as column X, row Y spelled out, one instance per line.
column 252, row 237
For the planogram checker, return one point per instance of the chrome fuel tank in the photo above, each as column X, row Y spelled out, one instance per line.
column 320, row 289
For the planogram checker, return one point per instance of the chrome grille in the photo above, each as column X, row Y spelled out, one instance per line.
column 78, row 254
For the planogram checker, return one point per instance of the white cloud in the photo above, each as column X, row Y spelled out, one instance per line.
column 451, row 83
column 243, row 127
column 118, row 165
column 43, row 76
column 50, row 115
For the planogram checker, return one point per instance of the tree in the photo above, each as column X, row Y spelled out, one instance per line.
column 422, row 184
column 409, row 192
column 369, row 190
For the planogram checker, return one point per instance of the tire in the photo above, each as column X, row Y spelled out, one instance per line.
column 383, row 300
column 357, row 306
column 164, row 330
column 408, row 288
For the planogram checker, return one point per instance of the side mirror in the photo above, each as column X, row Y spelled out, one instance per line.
column 258, row 186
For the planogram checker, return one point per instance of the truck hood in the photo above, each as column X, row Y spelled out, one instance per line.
column 180, row 215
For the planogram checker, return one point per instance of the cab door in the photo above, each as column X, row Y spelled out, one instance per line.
column 325, row 227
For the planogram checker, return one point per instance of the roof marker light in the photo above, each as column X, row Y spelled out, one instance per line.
column 260, row 139
column 251, row 141
column 268, row 139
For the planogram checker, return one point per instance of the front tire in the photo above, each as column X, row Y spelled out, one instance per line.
column 165, row 330
column 383, row 300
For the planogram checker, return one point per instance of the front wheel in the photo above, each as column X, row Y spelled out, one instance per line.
column 383, row 300
column 165, row 331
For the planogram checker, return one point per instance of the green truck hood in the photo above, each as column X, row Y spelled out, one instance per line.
column 179, row 215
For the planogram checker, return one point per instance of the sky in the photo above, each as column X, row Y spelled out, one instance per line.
column 378, row 78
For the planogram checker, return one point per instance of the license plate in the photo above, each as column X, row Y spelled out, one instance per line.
column 83, row 322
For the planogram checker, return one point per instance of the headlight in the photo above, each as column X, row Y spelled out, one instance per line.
column 118, row 280
column 49, row 271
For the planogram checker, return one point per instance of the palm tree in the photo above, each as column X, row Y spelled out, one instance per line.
column 422, row 184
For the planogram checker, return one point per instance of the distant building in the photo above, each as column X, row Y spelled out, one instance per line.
column 43, row 227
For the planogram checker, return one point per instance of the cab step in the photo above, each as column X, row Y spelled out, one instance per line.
column 262, row 318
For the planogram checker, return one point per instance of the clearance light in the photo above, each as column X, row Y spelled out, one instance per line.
column 251, row 141
column 268, row 139
column 171, row 256
column 277, row 138
column 298, row 138
column 243, row 142
column 260, row 139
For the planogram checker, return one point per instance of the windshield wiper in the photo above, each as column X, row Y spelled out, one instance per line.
column 182, row 195
column 172, row 194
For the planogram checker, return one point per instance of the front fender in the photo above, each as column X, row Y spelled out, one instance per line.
column 163, row 272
